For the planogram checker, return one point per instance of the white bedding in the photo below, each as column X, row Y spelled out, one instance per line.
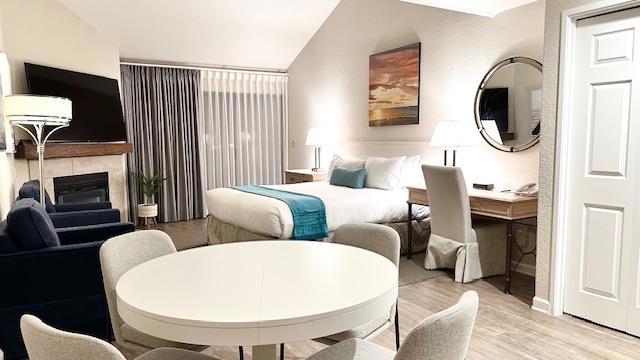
column 272, row 217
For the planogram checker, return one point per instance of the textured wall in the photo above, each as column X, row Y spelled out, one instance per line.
column 46, row 32
column 548, row 136
column 328, row 81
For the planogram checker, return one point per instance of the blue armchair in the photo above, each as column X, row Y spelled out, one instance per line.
column 68, row 215
column 53, row 273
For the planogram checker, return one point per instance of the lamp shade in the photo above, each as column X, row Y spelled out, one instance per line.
column 28, row 109
column 454, row 134
column 318, row 137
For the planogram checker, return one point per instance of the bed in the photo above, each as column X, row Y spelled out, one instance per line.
column 240, row 216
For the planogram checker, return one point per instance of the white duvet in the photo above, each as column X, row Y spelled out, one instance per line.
column 272, row 217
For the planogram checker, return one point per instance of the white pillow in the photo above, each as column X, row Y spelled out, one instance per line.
column 345, row 162
column 412, row 172
column 383, row 173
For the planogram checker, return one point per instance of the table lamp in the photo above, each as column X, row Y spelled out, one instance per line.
column 318, row 137
column 38, row 112
column 452, row 135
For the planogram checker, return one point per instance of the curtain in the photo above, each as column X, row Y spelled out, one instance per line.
column 161, row 108
column 244, row 122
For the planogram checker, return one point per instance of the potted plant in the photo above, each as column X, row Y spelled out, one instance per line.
column 150, row 187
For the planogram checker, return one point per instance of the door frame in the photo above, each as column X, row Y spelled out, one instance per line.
column 569, row 20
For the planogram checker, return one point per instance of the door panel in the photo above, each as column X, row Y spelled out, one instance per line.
column 609, row 126
column 601, row 259
column 601, row 278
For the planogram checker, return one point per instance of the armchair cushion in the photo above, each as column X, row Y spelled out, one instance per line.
column 99, row 232
column 6, row 244
column 82, row 206
column 87, row 217
column 30, row 226
column 31, row 189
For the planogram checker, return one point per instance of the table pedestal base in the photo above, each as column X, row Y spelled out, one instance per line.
column 265, row 352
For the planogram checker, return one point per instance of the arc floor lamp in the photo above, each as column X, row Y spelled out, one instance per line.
column 33, row 113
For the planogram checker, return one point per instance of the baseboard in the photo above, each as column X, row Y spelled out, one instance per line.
column 525, row 269
column 540, row 304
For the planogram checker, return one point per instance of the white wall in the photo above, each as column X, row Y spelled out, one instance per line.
column 46, row 32
column 328, row 81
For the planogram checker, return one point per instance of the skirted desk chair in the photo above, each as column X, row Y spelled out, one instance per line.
column 473, row 251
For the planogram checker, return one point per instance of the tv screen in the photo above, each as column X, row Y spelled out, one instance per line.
column 97, row 111
column 494, row 105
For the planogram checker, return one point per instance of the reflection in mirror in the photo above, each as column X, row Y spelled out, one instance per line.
column 508, row 104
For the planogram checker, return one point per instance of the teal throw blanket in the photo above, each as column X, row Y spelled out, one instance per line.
column 309, row 214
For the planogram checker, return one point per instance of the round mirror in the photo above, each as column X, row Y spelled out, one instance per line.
column 508, row 104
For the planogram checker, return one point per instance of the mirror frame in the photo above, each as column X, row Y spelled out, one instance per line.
column 480, row 91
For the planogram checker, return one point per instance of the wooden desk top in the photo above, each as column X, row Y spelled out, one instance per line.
column 507, row 206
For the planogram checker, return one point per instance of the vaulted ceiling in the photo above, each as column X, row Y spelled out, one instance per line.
column 489, row 8
column 238, row 33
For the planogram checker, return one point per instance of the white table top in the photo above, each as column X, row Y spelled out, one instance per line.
column 257, row 293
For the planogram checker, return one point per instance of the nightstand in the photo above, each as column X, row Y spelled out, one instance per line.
column 304, row 175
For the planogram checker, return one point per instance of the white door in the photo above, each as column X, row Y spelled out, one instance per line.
column 603, row 227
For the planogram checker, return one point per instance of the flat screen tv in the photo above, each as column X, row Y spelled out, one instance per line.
column 97, row 111
column 494, row 105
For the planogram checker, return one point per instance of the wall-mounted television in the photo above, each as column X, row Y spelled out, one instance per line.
column 97, row 110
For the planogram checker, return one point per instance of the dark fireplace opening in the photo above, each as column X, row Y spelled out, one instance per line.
column 81, row 188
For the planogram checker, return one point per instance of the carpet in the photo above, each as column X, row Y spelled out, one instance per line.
column 412, row 270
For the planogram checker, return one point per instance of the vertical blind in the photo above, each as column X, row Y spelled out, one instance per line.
column 244, row 122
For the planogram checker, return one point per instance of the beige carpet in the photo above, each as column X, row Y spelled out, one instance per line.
column 412, row 270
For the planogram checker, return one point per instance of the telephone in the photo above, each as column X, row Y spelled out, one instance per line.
column 530, row 189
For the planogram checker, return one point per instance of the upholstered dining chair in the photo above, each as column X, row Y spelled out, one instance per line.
column 454, row 243
column 44, row 342
column 384, row 241
column 117, row 256
column 442, row 336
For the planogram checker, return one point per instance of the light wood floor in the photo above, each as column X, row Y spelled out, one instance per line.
column 506, row 327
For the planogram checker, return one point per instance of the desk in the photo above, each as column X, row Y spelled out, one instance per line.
column 504, row 206
column 257, row 293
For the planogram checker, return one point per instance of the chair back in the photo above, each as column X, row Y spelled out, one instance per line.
column 448, row 202
column 122, row 253
column 442, row 336
column 44, row 342
column 380, row 239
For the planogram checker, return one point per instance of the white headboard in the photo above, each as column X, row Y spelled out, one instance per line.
column 480, row 164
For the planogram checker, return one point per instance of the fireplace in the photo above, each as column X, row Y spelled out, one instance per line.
column 81, row 188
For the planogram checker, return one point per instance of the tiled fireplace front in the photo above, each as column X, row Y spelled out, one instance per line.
column 114, row 165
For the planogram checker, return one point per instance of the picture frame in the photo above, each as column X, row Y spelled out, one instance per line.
column 394, row 86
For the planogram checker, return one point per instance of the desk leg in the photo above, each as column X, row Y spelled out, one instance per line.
column 507, row 272
column 409, row 232
column 265, row 352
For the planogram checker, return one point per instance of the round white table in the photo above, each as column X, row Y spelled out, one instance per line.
column 258, row 293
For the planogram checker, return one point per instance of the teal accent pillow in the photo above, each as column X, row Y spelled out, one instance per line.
column 353, row 178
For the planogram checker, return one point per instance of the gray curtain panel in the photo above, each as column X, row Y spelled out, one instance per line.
column 161, row 107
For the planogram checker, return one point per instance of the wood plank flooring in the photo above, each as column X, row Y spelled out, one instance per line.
column 506, row 327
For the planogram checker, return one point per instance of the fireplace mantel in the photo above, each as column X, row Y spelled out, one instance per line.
column 26, row 149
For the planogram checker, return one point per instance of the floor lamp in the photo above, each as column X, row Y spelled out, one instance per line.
column 452, row 135
column 33, row 113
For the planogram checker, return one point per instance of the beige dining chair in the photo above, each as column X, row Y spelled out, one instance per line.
column 44, row 342
column 454, row 243
column 442, row 336
column 119, row 255
column 384, row 241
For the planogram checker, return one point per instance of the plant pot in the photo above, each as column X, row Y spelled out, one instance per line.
column 147, row 210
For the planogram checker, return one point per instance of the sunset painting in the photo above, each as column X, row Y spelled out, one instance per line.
column 394, row 86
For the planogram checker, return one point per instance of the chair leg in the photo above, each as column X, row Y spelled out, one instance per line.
column 282, row 351
column 397, row 326
column 241, row 351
